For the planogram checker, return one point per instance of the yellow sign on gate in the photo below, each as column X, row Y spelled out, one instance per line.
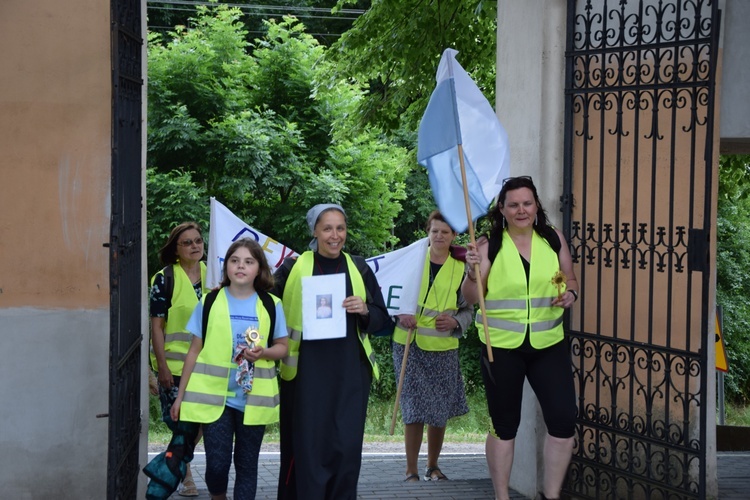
column 721, row 354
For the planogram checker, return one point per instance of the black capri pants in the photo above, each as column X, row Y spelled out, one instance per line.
column 550, row 375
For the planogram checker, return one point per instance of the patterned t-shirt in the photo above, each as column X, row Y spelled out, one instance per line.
column 159, row 301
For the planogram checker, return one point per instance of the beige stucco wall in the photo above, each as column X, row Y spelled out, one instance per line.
column 55, row 123
column 55, row 140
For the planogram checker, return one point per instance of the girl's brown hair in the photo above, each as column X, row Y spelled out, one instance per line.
column 264, row 279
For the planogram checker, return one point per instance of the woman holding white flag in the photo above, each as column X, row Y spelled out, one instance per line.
column 527, row 273
column 433, row 389
column 325, row 379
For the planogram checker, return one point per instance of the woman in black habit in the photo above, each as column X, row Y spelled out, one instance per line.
column 325, row 384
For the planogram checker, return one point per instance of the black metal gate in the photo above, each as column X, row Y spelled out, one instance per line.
column 125, row 252
column 638, row 210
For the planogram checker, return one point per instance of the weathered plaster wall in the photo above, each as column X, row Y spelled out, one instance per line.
column 55, row 100
column 54, row 383
column 55, row 140
column 735, row 106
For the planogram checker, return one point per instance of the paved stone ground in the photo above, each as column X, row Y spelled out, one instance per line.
column 734, row 475
column 382, row 476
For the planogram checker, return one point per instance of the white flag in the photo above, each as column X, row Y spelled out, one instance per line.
column 399, row 275
column 226, row 228
column 458, row 119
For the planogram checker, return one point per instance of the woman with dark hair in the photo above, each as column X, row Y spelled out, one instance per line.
column 229, row 382
column 174, row 292
column 527, row 274
column 325, row 383
column 433, row 389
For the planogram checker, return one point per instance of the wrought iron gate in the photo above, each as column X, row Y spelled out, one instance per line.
column 125, row 252
column 637, row 210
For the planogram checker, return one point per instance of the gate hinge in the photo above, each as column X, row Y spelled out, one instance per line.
column 566, row 202
column 698, row 250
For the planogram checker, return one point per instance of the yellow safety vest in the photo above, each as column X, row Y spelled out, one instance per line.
column 176, row 339
column 206, row 392
column 511, row 304
column 292, row 301
column 442, row 295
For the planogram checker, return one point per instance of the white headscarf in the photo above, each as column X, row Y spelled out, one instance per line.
column 312, row 218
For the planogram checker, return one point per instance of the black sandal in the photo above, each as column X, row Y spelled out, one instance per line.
column 411, row 478
column 432, row 470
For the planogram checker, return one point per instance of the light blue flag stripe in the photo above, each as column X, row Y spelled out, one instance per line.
column 440, row 128
column 457, row 107
column 444, row 172
column 438, row 140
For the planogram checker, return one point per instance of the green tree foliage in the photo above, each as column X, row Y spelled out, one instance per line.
column 733, row 263
column 393, row 51
column 320, row 22
column 180, row 200
column 272, row 125
column 263, row 129
column 395, row 47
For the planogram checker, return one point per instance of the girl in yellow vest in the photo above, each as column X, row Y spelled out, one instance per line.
column 433, row 389
column 174, row 292
column 234, row 408
column 325, row 383
column 519, row 266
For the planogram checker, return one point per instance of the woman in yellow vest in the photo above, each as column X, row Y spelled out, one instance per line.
column 433, row 389
column 174, row 292
column 520, row 264
column 325, row 383
column 229, row 380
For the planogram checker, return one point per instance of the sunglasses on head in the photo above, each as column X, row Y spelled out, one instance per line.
column 524, row 177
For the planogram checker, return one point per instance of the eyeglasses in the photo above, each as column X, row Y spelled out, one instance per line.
column 189, row 243
column 524, row 177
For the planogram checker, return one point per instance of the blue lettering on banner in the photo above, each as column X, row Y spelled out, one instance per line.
column 242, row 234
column 375, row 260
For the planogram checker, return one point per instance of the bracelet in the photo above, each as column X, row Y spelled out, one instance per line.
column 575, row 294
column 474, row 279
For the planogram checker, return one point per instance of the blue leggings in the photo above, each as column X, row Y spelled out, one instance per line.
column 217, row 437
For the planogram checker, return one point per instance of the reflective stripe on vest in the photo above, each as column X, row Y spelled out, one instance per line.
column 292, row 302
column 442, row 293
column 206, row 393
column 512, row 303
column 176, row 339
